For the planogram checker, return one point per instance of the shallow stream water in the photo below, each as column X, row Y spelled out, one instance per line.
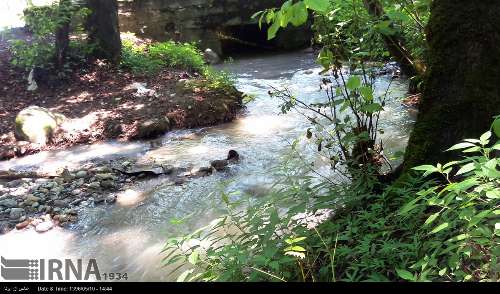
column 128, row 236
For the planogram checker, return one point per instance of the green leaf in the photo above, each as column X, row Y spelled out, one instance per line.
column 353, row 83
column 300, row 14
column 496, row 126
column 431, row 218
column 295, row 240
column 184, row 275
column 367, row 93
column 295, row 248
column 466, row 168
column 372, row 108
column 273, row 30
column 461, row 146
column 404, row 274
column 478, row 217
column 318, row 5
column 429, row 169
column 440, row 228
column 193, row 257
column 256, row 14
column 485, row 138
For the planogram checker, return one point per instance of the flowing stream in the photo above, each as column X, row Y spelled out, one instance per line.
column 128, row 236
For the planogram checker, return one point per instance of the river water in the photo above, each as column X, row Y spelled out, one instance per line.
column 128, row 236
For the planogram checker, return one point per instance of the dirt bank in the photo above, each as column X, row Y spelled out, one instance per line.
column 103, row 102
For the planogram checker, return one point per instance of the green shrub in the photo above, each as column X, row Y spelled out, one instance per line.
column 43, row 22
column 415, row 230
column 150, row 59
column 137, row 60
column 177, row 55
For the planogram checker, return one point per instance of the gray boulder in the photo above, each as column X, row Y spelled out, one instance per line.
column 211, row 57
column 37, row 124
column 8, row 203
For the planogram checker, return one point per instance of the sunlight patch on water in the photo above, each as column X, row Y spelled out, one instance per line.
column 53, row 161
column 262, row 125
column 129, row 198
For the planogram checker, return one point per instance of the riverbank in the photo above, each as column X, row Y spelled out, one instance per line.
column 101, row 102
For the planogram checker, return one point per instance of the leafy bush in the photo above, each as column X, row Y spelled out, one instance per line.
column 43, row 22
column 153, row 57
column 414, row 230
column 137, row 60
column 149, row 59
column 176, row 55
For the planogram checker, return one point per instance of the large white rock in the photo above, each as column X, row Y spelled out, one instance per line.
column 211, row 57
column 37, row 124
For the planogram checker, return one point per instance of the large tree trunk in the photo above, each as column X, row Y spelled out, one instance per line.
column 462, row 91
column 395, row 43
column 62, row 33
column 103, row 29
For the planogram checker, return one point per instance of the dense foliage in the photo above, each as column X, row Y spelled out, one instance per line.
column 149, row 59
column 43, row 22
column 435, row 223
column 415, row 230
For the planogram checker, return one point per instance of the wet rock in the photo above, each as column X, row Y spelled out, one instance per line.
column 233, row 155
column 30, row 199
column 32, row 85
column 94, row 185
column 16, row 213
column 60, row 203
column 219, row 165
column 168, row 169
column 36, row 124
column 202, row 172
column 106, row 169
column 100, row 199
column 106, row 176
column 66, row 175
column 76, row 202
column 5, row 227
column 7, row 152
column 152, row 128
column 111, row 199
column 44, row 226
column 23, row 224
column 81, row 174
column 76, row 192
column 145, row 169
column 35, row 205
column 211, row 57
column 8, row 203
column 71, row 212
column 44, row 190
column 108, row 184
column 15, row 183
column 182, row 86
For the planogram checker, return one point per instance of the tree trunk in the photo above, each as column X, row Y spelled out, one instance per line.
column 394, row 44
column 62, row 33
column 462, row 90
column 103, row 29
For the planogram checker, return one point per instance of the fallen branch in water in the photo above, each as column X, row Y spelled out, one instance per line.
column 15, row 175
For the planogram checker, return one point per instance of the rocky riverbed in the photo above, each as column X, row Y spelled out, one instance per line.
column 55, row 200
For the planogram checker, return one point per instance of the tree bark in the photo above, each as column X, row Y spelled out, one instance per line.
column 62, row 33
column 103, row 29
column 462, row 89
column 395, row 43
